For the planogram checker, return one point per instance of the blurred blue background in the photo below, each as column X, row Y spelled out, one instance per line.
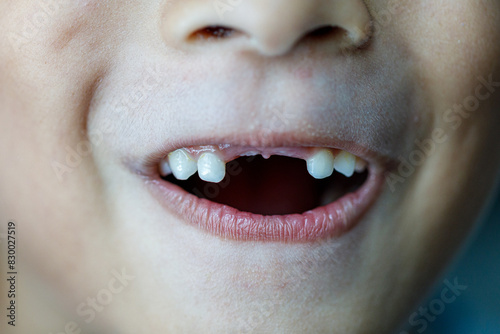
column 477, row 309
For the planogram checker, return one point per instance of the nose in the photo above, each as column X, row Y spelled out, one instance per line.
column 269, row 27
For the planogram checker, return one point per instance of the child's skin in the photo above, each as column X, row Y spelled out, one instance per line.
column 125, row 73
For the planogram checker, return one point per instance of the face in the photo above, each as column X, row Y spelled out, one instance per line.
column 106, row 106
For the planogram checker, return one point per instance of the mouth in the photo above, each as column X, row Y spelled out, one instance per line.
column 284, row 192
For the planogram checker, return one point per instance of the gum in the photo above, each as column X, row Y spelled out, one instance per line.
column 228, row 152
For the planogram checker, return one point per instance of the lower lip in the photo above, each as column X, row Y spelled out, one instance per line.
column 329, row 221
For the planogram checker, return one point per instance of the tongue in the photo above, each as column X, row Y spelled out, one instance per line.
column 276, row 186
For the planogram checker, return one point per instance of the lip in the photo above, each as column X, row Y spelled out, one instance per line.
column 329, row 221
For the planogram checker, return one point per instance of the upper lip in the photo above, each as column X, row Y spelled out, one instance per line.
column 337, row 108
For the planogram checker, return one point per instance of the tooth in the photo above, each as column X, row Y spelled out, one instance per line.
column 164, row 167
column 360, row 165
column 211, row 168
column 320, row 165
column 181, row 164
column 345, row 163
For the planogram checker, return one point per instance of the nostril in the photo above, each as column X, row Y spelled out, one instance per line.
column 213, row 32
column 324, row 31
column 344, row 38
column 327, row 32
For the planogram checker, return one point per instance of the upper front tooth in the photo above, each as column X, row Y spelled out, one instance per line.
column 211, row 168
column 182, row 164
column 320, row 164
column 345, row 163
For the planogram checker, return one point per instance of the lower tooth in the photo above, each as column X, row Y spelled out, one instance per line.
column 320, row 165
column 211, row 168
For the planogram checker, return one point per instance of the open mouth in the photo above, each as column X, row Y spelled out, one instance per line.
column 286, row 194
column 278, row 185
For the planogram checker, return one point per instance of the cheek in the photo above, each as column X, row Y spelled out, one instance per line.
column 453, row 43
column 45, row 188
column 454, row 49
column 456, row 57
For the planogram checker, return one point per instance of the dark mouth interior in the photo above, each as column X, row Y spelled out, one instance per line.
column 275, row 186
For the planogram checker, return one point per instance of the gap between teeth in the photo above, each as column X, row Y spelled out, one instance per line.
column 211, row 168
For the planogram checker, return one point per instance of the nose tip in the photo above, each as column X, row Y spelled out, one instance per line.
column 269, row 27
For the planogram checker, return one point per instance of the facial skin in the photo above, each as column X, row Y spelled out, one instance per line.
column 127, row 75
